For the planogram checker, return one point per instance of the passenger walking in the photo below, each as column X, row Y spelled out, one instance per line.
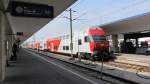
column 14, row 50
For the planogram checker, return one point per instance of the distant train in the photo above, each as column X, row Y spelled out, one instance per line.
column 90, row 44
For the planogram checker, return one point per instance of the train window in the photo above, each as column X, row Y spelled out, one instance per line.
column 86, row 39
column 79, row 42
column 67, row 47
column 99, row 38
column 64, row 48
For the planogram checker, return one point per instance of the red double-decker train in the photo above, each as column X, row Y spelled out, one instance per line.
column 90, row 44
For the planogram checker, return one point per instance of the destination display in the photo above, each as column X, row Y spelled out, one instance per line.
column 25, row 9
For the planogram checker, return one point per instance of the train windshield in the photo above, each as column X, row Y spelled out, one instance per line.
column 99, row 38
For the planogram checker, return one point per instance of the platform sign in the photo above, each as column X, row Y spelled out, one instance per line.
column 24, row 9
column 19, row 33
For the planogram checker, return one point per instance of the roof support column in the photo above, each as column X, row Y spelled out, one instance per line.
column 2, row 47
column 137, row 43
column 115, row 43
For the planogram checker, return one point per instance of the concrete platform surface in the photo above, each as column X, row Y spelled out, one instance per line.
column 29, row 69
column 134, row 59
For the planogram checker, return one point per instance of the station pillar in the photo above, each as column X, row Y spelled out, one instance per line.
column 115, row 43
column 2, row 47
column 136, row 42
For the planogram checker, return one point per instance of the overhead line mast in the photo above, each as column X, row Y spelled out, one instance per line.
column 71, row 33
column 71, row 36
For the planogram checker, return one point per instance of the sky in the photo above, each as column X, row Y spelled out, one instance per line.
column 91, row 13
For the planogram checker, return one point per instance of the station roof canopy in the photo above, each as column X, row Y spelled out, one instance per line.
column 137, row 35
column 134, row 24
column 30, row 25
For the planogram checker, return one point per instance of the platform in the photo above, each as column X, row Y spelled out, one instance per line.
column 30, row 69
column 138, row 59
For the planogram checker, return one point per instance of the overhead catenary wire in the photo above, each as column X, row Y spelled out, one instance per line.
column 62, row 15
column 77, row 18
column 97, row 19
column 72, row 7
column 120, row 9
column 79, row 3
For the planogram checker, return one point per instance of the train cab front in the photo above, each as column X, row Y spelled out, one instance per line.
column 99, row 46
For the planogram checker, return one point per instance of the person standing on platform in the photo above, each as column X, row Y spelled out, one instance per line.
column 14, row 50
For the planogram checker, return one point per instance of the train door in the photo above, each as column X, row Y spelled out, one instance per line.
column 86, row 44
column 83, row 44
column 79, row 45
column 52, row 46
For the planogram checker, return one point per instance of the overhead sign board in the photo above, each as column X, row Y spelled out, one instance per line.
column 24, row 9
column 19, row 33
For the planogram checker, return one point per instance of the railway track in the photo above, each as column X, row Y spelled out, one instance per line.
column 129, row 66
column 97, row 75
column 126, row 66
column 93, row 73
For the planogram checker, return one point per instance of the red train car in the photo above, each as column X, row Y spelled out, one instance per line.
column 90, row 44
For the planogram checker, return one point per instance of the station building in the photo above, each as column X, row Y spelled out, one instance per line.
column 126, row 35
